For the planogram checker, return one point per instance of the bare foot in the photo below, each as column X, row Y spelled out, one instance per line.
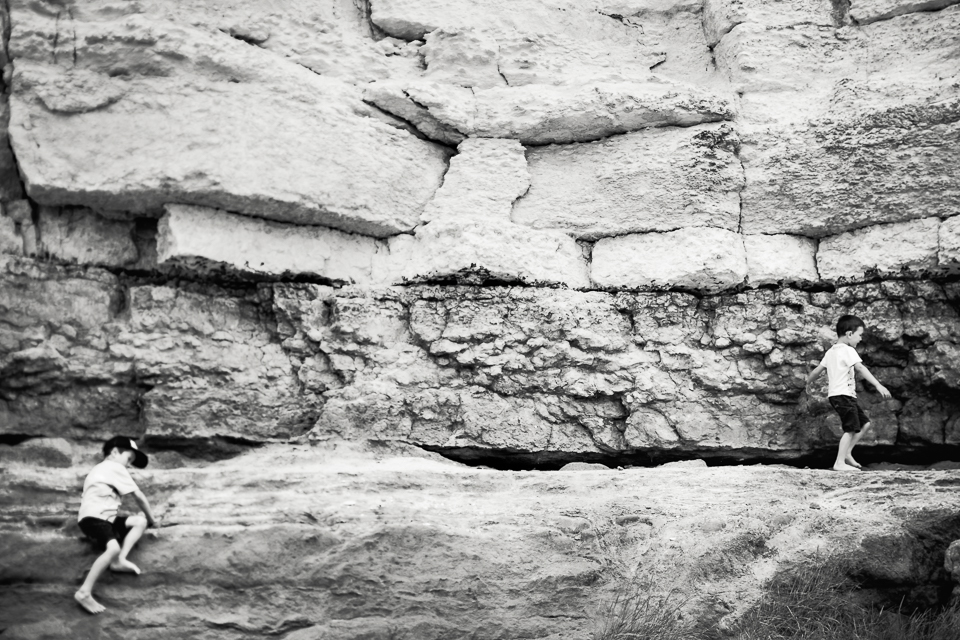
column 844, row 467
column 124, row 566
column 853, row 463
column 87, row 602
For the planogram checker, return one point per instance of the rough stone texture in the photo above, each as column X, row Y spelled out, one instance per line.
column 948, row 255
column 888, row 249
column 10, row 187
column 306, row 543
column 699, row 258
column 524, row 370
column 10, row 240
column 256, row 135
column 780, row 259
column 85, row 357
column 652, row 180
column 484, row 180
column 465, row 58
column 867, row 11
column 721, row 16
column 843, row 128
column 391, row 97
column 330, row 37
column 550, row 43
column 951, row 561
column 544, row 114
column 477, row 251
column 468, row 236
column 81, row 236
column 208, row 240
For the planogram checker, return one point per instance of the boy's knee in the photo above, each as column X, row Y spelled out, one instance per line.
column 113, row 548
column 137, row 521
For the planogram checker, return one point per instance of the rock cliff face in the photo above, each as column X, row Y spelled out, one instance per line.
column 511, row 232
column 208, row 212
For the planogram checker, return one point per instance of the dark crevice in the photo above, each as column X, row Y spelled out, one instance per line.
column 839, row 12
column 820, row 458
column 212, row 449
column 406, row 125
column 366, row 15
column 718, row 117
column 13, row 439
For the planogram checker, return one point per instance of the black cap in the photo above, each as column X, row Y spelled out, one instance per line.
column 124, row 443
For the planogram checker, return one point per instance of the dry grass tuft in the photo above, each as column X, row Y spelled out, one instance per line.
column 814, row 603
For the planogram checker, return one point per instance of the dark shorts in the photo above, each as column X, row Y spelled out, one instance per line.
column 852, row 416
column 103, row 531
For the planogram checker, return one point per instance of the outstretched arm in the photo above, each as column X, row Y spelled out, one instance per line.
column 866, row 375
column 145, row 507
column 816, row 373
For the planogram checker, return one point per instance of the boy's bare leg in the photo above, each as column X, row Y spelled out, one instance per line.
column 84, row 594
column 853, row 442
column 843, row 452
column 138, row 524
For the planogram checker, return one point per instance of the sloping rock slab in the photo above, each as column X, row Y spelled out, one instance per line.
column 310, row 543
column 541, row 114
column 476, row 251
column 698, row 258
column 203, row 239
column 652, row 180
column 780, row 259
column 254, row 134
column 867, row 11
column 885, row 249
column 846, row 130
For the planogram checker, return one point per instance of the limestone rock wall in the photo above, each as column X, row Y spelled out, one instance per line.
column 572, row 228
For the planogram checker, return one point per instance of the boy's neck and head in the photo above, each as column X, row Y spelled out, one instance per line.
column 123, row 456
column 124, row 451
column 849, row 331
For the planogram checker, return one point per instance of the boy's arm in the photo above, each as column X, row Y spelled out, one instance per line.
column 816, row 373
column 865, row 373
column 145, row 507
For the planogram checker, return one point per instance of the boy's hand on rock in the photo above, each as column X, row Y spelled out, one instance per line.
column 883, row 391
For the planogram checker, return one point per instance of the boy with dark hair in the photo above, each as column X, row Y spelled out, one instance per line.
column 840, row 362
column 103, row 491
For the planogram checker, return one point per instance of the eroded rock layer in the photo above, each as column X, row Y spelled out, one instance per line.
column 512, row 370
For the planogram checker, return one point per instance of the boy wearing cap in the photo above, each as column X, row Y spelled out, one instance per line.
column 103, row 491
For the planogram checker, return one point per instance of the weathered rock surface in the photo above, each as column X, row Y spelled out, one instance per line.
column 10, row 240
column 545, row 114
column 888, row 249
column 845, row 128
column 330, row 37
column 255, row 134
column 652, row 180
column 547, row 372
column 780, row 259
column 480, row 251
column 203, row 239
column 948, row 256
column 549, row 43
column 468, row 235
column 303, row 543
column 81, row 236
column 699, row 258
column 867, row 11
column 84, row 356
column 484, row 180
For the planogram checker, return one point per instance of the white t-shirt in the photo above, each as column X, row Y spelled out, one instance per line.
column 103, row 489
column 839, row 361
